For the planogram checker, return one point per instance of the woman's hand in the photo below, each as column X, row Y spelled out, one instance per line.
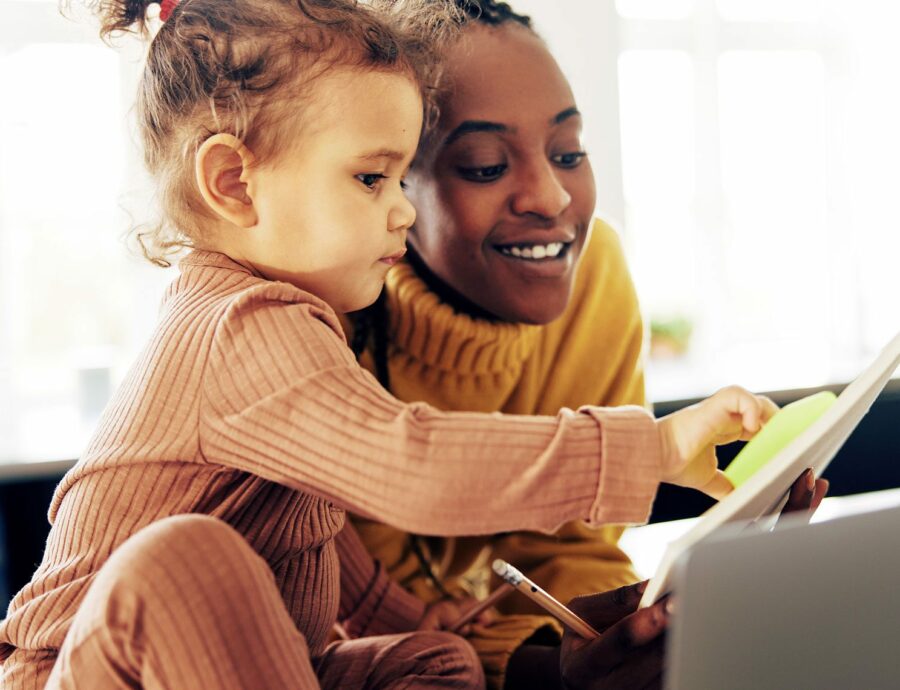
column 805, row 496
column 689, row 437
column 628, row 653
column 441, row 615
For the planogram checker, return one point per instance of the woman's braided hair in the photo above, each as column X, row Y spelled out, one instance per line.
column 492, row 13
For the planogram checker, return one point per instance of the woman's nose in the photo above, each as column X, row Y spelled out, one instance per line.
column 540, row 192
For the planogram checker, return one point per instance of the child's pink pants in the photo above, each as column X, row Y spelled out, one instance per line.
column 186, row 603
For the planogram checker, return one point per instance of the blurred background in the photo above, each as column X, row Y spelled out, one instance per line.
column 746, row 150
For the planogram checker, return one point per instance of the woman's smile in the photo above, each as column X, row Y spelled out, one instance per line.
column 535, row 253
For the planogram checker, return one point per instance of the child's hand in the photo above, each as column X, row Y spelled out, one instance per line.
column 689, row 437
column 442, row 614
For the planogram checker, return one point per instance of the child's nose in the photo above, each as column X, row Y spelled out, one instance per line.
column 402, row 216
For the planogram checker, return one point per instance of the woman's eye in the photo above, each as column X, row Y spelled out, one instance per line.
column 487, row 173
column 370, row 180
column 569, row 160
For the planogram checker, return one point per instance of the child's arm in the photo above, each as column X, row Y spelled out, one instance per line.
column 285, row 400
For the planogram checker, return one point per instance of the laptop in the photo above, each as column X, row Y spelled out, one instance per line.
column 807, row 606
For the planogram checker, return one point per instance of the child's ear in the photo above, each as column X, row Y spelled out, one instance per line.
column 221, row 165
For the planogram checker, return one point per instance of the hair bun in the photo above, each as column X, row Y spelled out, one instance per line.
column 123, row 15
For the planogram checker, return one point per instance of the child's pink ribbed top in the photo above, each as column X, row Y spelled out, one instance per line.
column 248, row 405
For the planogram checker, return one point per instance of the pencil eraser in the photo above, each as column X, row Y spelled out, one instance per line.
column 784, row 426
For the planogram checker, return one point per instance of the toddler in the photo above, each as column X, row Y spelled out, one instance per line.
column 199, row 542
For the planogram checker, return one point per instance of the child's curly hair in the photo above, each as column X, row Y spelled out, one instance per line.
column 242, row 67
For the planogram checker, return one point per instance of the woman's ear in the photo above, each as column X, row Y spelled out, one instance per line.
column 221, row 166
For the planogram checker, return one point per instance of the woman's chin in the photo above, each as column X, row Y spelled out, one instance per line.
column 539, row 309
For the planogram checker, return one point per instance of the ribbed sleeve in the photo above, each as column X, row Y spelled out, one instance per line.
column 284, row 400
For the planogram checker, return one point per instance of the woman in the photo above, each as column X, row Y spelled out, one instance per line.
column 515, row 299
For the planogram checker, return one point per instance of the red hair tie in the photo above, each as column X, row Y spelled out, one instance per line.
column 166, row 8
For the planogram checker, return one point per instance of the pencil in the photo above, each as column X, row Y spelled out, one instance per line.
column 543, row 599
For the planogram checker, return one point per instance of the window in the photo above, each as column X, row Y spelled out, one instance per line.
column 745, row 148
column 74, row 304
column 755, row 143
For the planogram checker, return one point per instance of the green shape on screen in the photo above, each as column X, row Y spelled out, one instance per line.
column 784, row 426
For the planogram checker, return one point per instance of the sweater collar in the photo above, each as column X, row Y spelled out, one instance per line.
column 204, row 257
column 428, row 330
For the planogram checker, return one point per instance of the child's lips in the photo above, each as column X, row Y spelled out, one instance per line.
column 391, row 259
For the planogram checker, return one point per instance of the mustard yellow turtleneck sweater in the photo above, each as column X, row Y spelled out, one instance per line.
column 590, row 355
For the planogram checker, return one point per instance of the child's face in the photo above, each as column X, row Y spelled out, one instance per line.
column 332, row 214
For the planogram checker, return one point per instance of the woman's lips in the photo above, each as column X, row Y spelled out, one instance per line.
column 536, row 251
column 538, row 261
column 391, row 259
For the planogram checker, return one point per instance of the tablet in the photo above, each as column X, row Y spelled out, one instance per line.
column 808, row 435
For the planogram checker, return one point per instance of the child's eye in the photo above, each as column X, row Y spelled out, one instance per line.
column 487, row 173
column 569, row 160
column 370, row 180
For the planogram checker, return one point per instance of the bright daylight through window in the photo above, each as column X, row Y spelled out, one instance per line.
column 745, row 149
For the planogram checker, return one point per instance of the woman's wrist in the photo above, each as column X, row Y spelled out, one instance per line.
column 534, row 666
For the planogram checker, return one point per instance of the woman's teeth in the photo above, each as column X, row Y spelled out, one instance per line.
column 535, row 252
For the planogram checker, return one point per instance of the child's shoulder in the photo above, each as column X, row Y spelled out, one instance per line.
column 241, row 305
column 237, row 291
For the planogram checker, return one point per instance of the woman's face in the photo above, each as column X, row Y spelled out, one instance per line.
column 503, row 190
